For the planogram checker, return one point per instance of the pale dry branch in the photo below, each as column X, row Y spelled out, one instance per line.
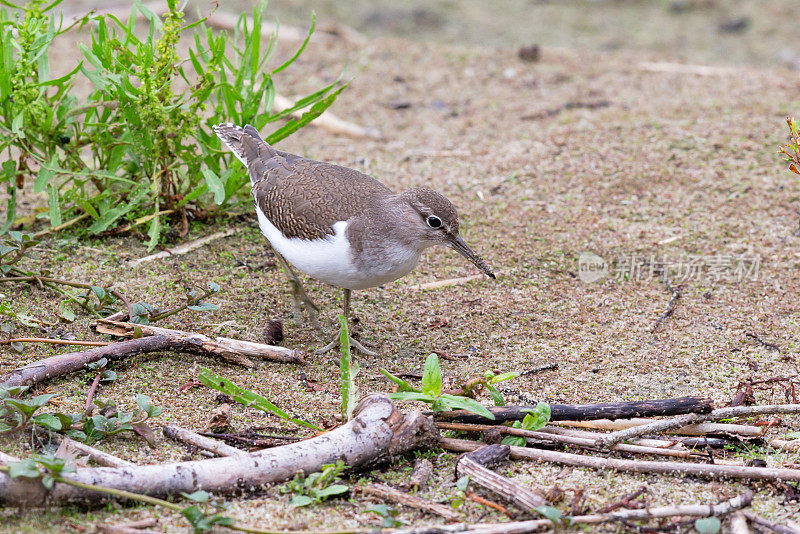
column 712, row 471
column 698, row 429
column 201, row 442
column 386, row 493
column 377, row 432
column 689, row 419
column 329, row 122
column 579, row 441
column 474, row 464
column 521, row 527
column 184, row 248
column 234, row 350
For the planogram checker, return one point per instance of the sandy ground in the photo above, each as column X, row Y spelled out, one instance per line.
column 579, row 152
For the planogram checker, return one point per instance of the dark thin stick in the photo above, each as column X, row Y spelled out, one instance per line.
column 624, row 502
column 552, row 366
column 774, row 527
column 89, row 408
column 587, row 412
column 673, row 303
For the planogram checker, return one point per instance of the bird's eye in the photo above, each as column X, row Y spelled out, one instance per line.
column 434, row 221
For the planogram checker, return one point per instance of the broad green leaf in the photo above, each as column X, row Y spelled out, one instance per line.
column 708, row 525
column 402, row 384
column 432, row 376
column 466, row 403
column 197, row 496
column 24, row 468
column 55, row 205
column 551, row 513
column 50, row 422
column 215, row 185
column 301, row 500
column 45, row 174
column 537, row 418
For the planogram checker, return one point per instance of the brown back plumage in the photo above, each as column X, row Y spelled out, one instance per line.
column 301, row 197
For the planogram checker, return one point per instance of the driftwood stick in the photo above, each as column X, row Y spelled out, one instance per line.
column 585, row 412
column 328, row 121
column 377, row 432
column 182, row 249
column 234, row 350
column 683, row 420
column 63, row 364
column 785, row 444
column 583, row 442
column 201, row 442
column 473, row 464
column 636, row 466
column 451, row 282
column 520, row 527
column 739, row 524
column 81, row 449
column 423, row 469
column 774, row 527
column 387, row 493
column 133, row 527
column 698, row 429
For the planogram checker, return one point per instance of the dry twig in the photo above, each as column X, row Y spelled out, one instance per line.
column 636, row 466
column 688, row 419
column 201, row 442
column 386, row 493
column 184, row 248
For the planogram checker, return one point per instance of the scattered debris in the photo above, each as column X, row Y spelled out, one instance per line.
column 423, row 469
column 184, row 248
column 529, row 53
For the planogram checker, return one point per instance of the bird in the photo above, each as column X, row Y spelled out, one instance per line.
column 339, row 225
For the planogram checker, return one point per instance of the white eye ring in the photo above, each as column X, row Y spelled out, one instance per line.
column 434, row 221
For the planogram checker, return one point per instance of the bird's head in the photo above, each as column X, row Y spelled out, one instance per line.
column 434, row 221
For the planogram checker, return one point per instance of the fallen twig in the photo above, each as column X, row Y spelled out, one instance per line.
column 583, row 442
column 387, row 493
column 739, row 524
column 201, row 442
column 673, row 303
column 682, row 68
column 423, row 469
column 688, row 419
column 785, row 445
column 636, row 466
column 774, row 527
column 473, row 464
column 583, row 412
column 234, row 350
column 184, row 248
column 81, row 449
column 133, row 527
column 697, row 429
column 451, row 282
column 521, row 527
column 328, row 121
column 376, row 432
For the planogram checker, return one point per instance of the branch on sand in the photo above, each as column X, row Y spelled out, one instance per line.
column 474, row 465
column 188, row 437
column 148, row 339
column 233, row 350
column 585, row 412
column 386, row 493
column 712, row 471
column 688, row 419
column 519, row 527
column 377, row 432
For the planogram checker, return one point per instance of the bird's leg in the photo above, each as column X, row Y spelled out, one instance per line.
column 300, row 299
column 336, row 342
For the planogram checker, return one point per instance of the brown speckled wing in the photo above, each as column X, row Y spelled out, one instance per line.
column 301, row 197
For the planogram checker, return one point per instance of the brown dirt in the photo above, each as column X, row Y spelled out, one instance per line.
column 537, row 182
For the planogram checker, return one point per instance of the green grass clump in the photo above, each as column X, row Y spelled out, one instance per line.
column 140, row 146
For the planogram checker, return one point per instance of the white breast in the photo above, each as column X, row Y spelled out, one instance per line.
column 330, row 259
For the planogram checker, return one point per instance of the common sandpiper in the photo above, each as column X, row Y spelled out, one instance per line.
column 339, row 225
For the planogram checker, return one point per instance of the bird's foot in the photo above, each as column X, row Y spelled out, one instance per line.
column 301, row 302
column 354, row 344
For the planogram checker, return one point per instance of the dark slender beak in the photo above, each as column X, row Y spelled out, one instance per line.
column 462, row 248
